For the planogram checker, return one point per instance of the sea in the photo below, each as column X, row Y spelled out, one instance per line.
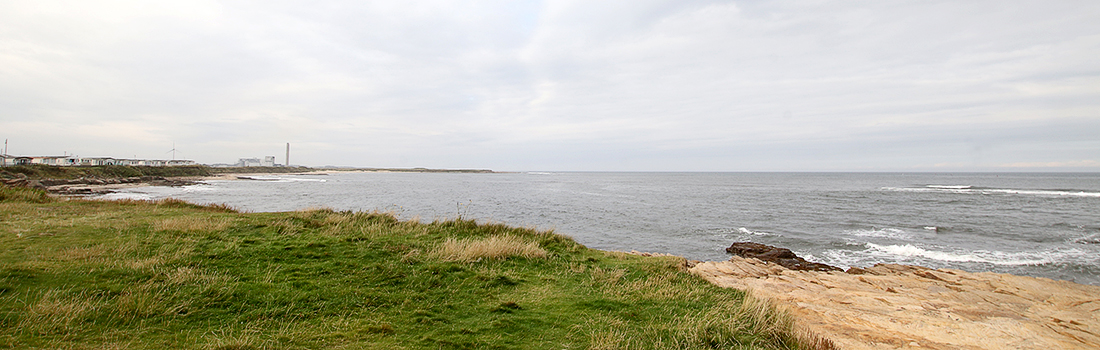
column 1043, row 225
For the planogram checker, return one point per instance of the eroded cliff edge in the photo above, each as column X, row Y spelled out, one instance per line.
column 900, row 307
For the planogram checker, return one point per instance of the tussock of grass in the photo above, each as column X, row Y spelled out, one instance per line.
column 178, row 203
column 494, row 247
column 20, row 194
column 192, row 224
column 57, row 313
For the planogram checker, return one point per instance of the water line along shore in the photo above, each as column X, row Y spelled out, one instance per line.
column 886, row 306
column 891, row 306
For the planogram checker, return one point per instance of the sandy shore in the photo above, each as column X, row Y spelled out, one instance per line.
column 908, row 307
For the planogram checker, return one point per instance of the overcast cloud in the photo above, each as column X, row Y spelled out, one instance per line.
column 560, row 85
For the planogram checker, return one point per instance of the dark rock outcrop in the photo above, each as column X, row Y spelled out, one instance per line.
column 782, row 256
column 85, row 186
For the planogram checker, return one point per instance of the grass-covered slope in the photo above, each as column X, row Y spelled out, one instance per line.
column 132, row 275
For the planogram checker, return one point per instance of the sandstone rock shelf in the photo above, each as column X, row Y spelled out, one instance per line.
column 907, row 307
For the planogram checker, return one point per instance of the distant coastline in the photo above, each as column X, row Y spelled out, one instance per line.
column 102, row 179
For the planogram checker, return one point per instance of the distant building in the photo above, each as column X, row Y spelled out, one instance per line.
column 246, row 162
column 7, row 160
column 179, row 162
column 47, row 160
column 249, row 162
column 97, row 161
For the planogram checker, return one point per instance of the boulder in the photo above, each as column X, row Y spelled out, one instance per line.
column 782, row 256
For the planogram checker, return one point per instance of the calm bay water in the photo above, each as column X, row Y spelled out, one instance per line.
column 1045, row 225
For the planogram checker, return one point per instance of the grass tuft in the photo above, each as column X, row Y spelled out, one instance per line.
column 23, row 194
column 493, row 247
column 179, row 203
column 56, row 313
column 192, row 224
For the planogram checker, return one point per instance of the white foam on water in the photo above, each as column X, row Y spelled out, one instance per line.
column 278, row 179
column 950, row 187
column 1090, row 239
column 978, row 256
column 114, row 196
column 1003, row 191
column 751, row 232
column 894, row 233
column 198, row 188
column 1049, row 193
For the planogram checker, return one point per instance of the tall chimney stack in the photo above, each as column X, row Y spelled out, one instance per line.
column 287, row 154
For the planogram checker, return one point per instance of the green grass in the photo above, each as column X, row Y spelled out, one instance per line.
column 131, row 275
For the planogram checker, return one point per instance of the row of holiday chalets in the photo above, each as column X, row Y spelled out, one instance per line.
column 10, row 160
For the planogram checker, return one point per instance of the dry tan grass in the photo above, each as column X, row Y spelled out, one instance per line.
column 494, row 247
column 56, row 313
column 140, row 301
column 601, row 276
column 81, row 253
column 765, row 317
column 762, row 317
column 192, row 224
column 188, row 275
column 812, row 340
column 608, row 340
column 232, row 341
column 657, row 286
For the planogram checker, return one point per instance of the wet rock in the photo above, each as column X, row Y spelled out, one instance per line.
column 782, row 256
column 53, row 182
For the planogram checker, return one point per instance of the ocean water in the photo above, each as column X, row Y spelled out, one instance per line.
column 1045, row 225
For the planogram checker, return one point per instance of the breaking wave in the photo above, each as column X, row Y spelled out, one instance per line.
column 114, row 196
column 893, row 233
column 976, row 256
column 278, row 179
column 751, row 232
column 963, row 189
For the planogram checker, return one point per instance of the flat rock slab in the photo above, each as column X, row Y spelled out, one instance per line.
column 908, row 307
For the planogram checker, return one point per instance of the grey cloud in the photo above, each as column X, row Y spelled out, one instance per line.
column 557, row 85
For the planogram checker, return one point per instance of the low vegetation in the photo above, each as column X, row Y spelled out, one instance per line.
column 39, row 171
column 131, row 275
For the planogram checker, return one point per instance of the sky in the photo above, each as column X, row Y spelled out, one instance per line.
column 632, row 85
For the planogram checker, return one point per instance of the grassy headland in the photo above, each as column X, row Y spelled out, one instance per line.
column 39, row 172
column 169, row 274
column 42, row 172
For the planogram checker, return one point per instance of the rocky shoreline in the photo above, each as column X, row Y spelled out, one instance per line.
column 89, row 186
column 891, row 306
column 887, row 306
